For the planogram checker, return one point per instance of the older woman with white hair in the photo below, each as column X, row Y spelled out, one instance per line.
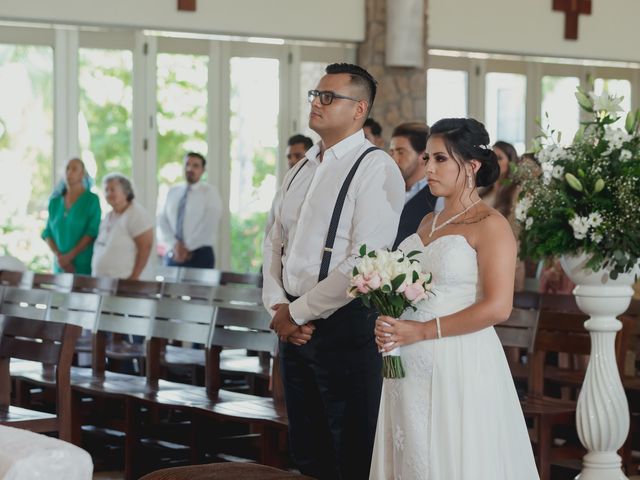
column 125, row 240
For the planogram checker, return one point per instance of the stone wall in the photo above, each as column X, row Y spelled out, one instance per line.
column 402, row 92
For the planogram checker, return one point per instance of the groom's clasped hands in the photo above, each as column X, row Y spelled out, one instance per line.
column 287, row 329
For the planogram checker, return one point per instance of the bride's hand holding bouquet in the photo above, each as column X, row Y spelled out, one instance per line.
column 391, row 282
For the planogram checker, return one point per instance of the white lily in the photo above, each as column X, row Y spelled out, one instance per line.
column 606, row 102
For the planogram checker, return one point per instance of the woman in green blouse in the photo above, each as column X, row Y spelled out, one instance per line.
column 74, row 221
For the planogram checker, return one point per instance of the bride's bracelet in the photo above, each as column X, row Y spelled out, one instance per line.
column 438, row 331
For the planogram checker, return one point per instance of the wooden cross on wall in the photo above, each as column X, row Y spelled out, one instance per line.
column 187, row 5
column 572, row 9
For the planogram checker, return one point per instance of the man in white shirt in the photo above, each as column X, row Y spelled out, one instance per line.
column 189, row 221
column 344, row 193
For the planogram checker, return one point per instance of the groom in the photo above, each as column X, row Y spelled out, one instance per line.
column 344, row 193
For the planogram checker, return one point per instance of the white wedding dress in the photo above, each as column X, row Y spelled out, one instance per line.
column 456, row 414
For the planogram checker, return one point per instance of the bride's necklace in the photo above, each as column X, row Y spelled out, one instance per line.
column 444, row 224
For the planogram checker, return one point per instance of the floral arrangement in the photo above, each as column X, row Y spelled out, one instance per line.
column 390, row 282
column 585, row 197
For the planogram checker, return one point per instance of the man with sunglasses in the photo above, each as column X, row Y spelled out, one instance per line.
column 343, row 194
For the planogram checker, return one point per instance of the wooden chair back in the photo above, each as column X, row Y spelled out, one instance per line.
column 101, row 285
column 165, row 273
column 230, row 278
column 558, row 332
column 32, row 304
column 50, row 343
column 123, row 315
column 59, row 282
column 239, row 295
column 205, row 276
column 176, row 320
column 559, row 303
column 562, row 332
column 244, row 327
column 16, row 279
column 75, row 308
column 188, row 292
column 519, row 330
column 139, row 289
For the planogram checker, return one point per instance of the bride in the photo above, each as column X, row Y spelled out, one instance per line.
column 456, row 414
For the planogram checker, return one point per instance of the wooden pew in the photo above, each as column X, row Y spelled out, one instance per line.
column 16, row 279
column 517, row 336
column 79, row 309
column 204, row 276
column 245, row 327
column 58, row 282
column 187, row 364
column 101, row 285
column 49, row 343
column 174, row 320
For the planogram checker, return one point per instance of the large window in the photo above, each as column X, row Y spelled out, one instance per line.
column 182, row 115
column 560, row 110
column 106, row 102
column 505, row 101
column 26, row 151
column 310, row 75
column 446, row 94
column 254, row 102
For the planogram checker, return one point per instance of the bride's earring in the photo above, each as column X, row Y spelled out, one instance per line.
column 469, row 181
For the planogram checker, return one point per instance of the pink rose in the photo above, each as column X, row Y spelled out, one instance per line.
column 360, row 283
column 414, row 292
column 374, row 281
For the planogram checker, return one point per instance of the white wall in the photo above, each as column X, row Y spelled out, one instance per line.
column 337, row 20
column 532, row 27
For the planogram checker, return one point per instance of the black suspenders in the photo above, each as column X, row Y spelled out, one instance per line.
column 335, row 217
column 296, row 174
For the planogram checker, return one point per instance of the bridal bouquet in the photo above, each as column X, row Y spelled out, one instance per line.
column 391, row 282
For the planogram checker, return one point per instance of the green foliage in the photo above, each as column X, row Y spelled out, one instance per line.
column 247, row 235
column 109, row 121
column 585, row 198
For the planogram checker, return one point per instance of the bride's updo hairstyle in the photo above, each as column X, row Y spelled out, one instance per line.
column 466, row 139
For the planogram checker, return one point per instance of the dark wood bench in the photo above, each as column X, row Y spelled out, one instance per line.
column 517, row 335
column 51, row 344
column 174, row 320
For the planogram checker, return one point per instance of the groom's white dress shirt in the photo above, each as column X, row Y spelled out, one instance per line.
column 302, row 215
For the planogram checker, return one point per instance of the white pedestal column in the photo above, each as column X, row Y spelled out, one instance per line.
column 602, row 415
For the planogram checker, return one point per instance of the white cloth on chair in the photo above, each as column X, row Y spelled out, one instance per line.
column 28, row 455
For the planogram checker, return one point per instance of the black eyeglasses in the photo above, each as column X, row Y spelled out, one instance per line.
column 327, row 97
